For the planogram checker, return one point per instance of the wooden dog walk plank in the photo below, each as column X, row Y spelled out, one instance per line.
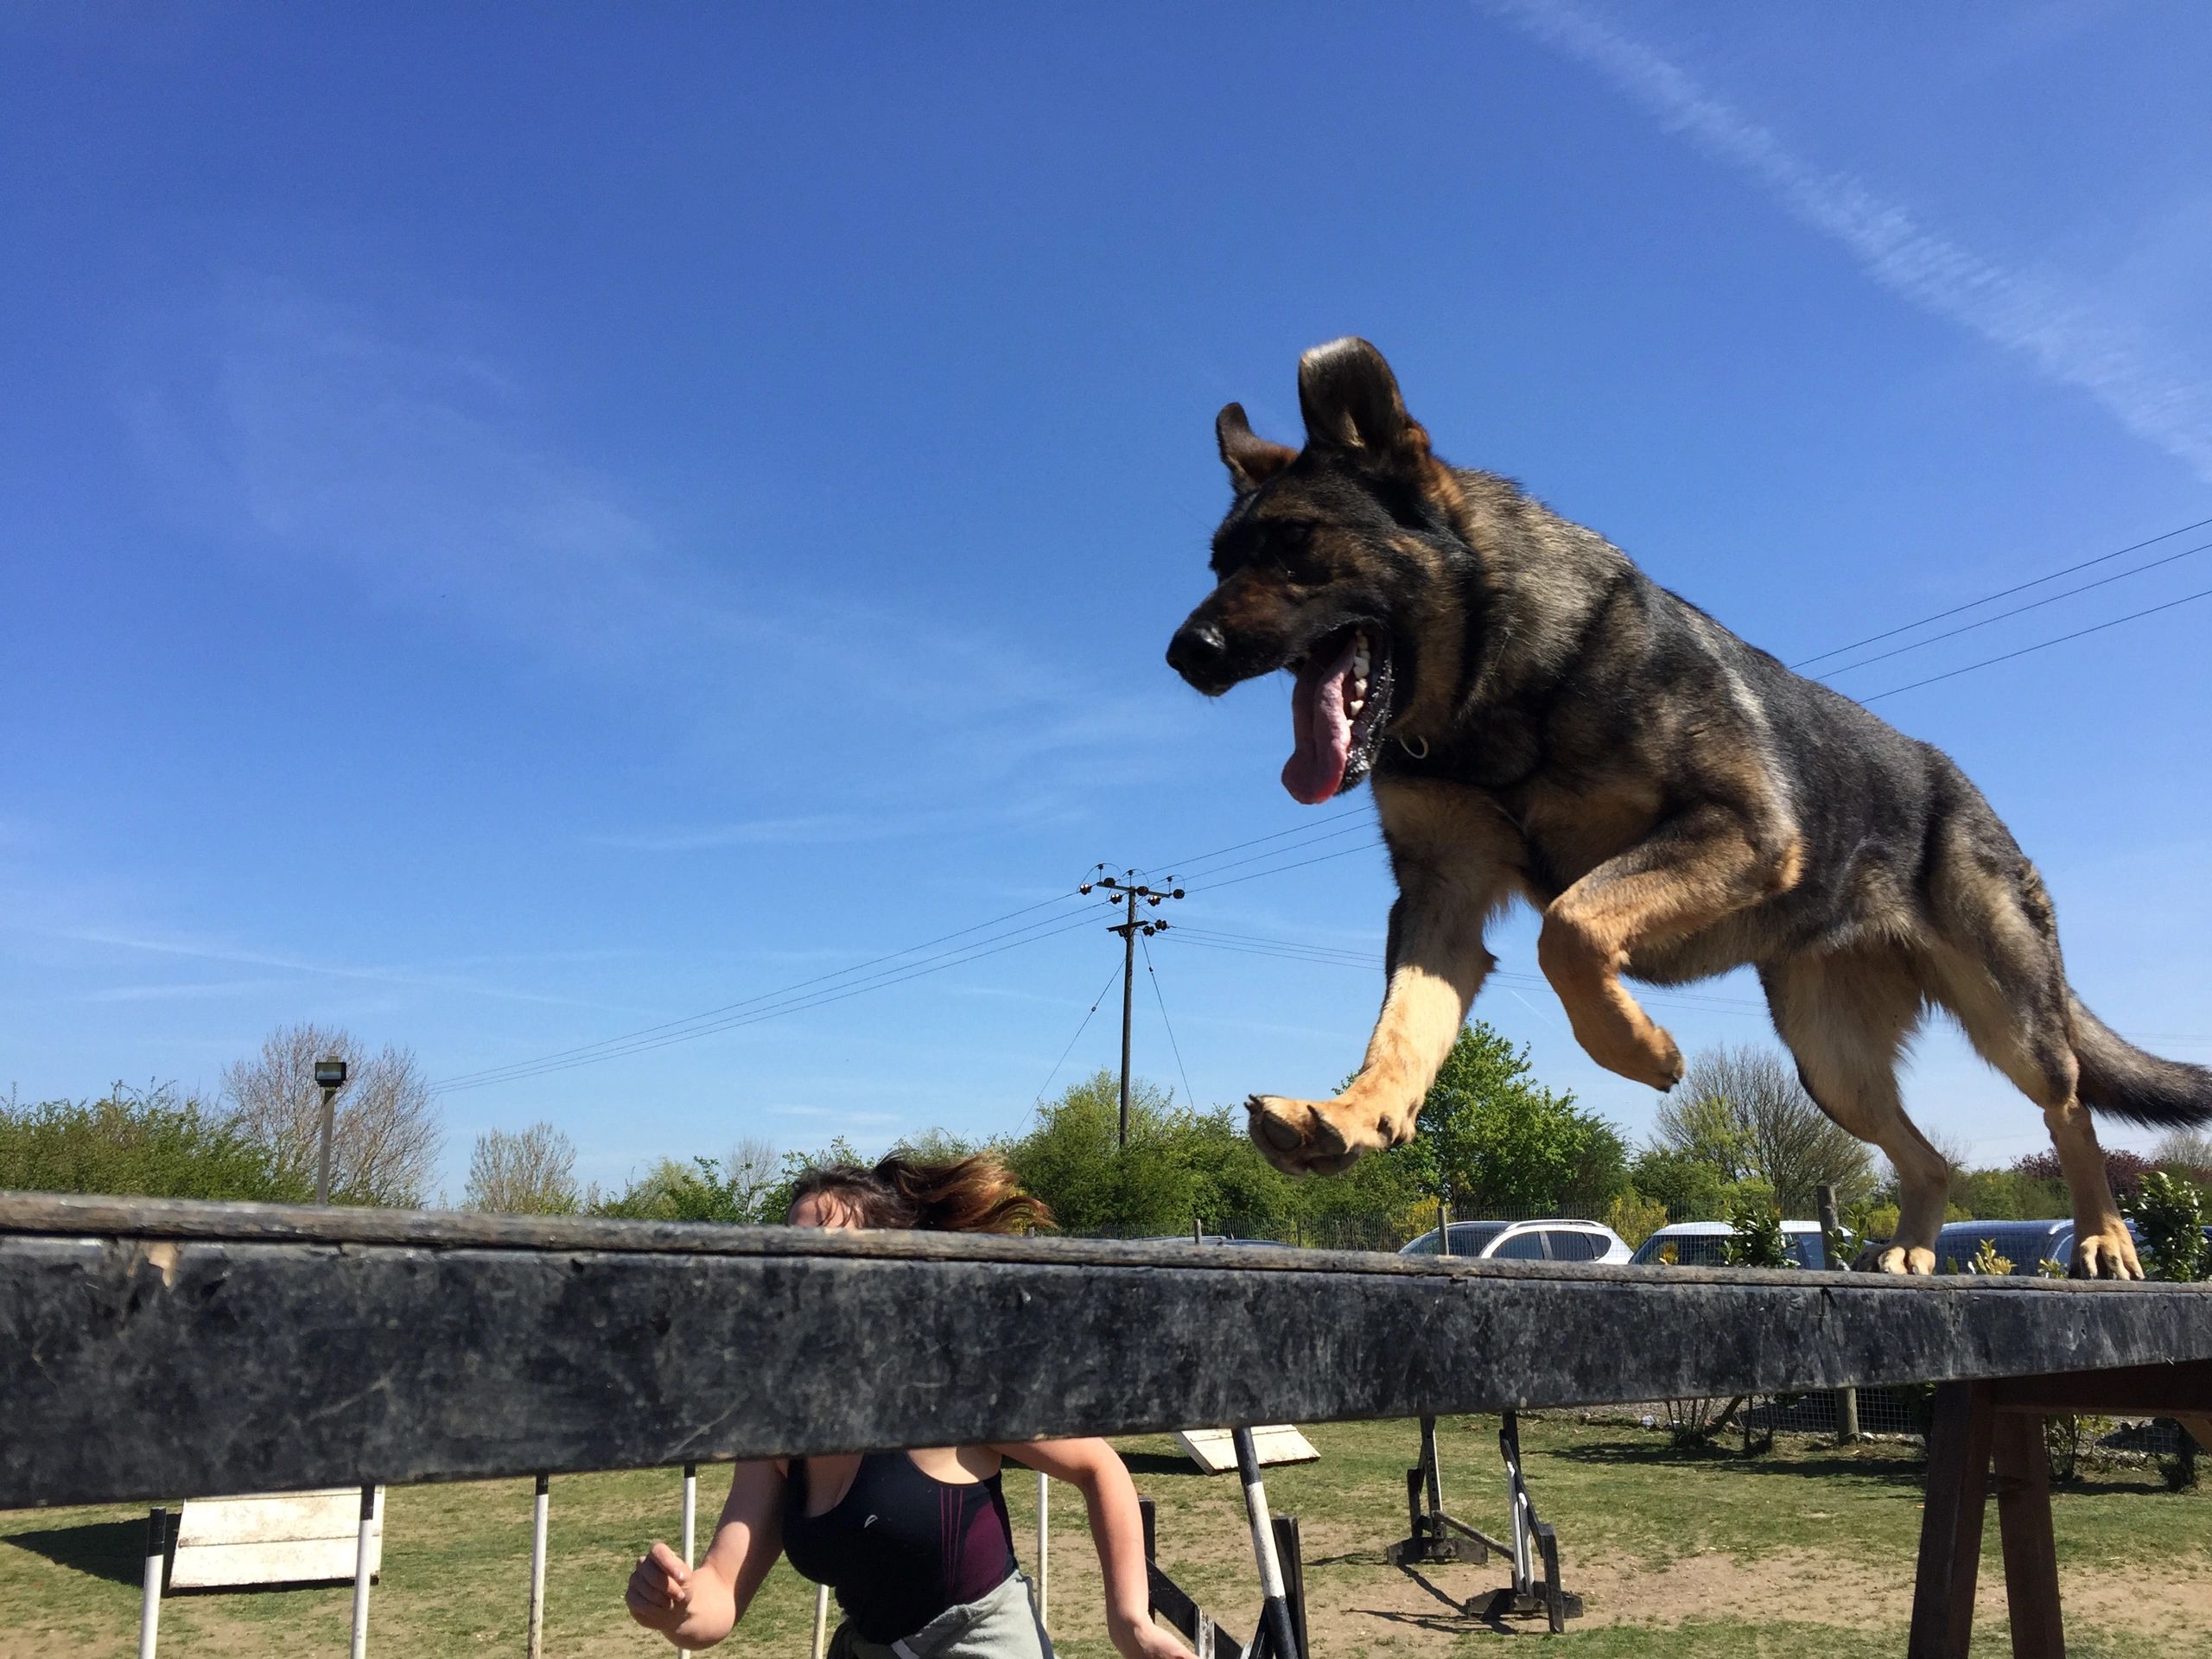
column 155, row 1349
column 274, row 1538
column 1214, row 1450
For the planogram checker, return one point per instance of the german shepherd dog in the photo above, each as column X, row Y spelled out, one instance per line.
column 1542, row 721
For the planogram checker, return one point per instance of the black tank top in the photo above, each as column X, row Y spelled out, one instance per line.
column 900, row 1548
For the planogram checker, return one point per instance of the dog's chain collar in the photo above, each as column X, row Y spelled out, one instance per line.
column 1407, row 744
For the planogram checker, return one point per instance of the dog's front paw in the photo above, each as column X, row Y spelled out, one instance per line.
column 1301, row 1137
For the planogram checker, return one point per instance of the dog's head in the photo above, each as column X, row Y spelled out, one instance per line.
column 1326, row 565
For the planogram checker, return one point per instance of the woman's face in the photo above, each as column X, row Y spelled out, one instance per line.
column 822, row 1210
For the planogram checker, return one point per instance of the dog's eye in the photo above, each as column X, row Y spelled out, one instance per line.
column 1288, row 542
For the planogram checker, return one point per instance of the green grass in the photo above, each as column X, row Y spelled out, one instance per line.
column 1808, row 1549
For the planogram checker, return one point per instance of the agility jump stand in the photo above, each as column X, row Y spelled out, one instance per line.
column 1436, row 1535
column 1281, row 1634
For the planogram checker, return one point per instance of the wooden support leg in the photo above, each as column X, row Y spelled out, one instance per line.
column 1950, row 1525
column 2024, row 1523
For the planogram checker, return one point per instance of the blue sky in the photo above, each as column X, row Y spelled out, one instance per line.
column 523, row 526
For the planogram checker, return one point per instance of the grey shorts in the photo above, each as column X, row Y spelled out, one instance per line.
column 1001, row 1625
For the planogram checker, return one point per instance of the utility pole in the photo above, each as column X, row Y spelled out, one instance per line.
column 1129, row 893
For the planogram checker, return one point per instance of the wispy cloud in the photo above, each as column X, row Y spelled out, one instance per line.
column 232, row 956
column 887, row 824
column 319, row 434
column 2033, row 314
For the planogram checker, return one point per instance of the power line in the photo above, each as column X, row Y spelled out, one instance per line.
column 2044, row 645
column 2019, row 610
column 822, row 989
column 1238, row 847
column 1053, row 928
column 1327, row 956
column 460, row 1078
column 1215, row 887
column 2004, row 593
column 1189, row 1093
column 1073, row 1040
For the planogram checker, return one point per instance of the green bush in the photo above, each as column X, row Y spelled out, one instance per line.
column 2169, row 1216
column 153, row 1144
column 1759, row 1241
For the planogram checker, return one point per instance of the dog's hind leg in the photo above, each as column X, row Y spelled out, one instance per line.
column 1998, row 969
column 1846, row 1017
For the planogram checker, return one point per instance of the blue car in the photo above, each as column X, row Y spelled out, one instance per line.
column 2024, row 1243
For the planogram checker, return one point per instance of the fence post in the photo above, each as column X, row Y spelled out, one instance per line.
column 361, row 1572
column 1846, row 1400
column 149, row 1610
column 540, row 1503
column 821, row 1620
column 1043, row 1553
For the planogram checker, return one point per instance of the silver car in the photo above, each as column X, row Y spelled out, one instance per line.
column 1559, row 1240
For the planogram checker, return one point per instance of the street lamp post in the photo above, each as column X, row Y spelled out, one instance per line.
column 330, row 1077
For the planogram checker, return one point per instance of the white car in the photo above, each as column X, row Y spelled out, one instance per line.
column 1704, row 1245
column 1560, row 1239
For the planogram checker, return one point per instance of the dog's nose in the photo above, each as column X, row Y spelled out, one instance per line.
column 1197, row 653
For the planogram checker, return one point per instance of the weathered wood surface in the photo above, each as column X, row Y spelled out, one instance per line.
column 273, row 1538
column 152, row 1349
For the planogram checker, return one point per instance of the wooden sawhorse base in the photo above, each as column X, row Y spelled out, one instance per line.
column 1976, row 1424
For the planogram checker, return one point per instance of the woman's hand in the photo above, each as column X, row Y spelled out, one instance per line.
column 1145, row 1641
column 659, row 1596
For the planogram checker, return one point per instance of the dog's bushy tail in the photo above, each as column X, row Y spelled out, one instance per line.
column 2120, row 1080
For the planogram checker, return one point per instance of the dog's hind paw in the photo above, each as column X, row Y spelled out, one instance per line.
column 1917, row 1260
column 2106, row 1252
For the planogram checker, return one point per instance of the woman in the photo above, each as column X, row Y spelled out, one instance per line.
column 917, row 1544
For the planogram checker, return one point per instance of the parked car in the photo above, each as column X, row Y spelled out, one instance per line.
column 1560, row 1240
column 1704, row 1245
column 2024, row 1243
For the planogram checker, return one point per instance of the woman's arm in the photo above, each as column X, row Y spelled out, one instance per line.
column 697, row 1607
column 1096, row 1470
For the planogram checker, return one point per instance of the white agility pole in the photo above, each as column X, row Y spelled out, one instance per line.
column 361, row 1547
column 1043, row 1553
column 691, row 1520
column 1275, row 1630
column 541, row 1504
column 149, row 1610
column 821, row 1620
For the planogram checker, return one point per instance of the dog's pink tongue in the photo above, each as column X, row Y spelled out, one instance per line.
column 1322, row 727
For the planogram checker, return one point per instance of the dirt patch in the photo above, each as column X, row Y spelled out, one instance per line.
column 1404, row 1610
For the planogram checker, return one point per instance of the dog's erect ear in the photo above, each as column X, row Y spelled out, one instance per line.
column 1351, row 402
column 1251, row 460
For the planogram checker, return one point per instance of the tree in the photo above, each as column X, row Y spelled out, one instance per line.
column 386, row 1134
column 2187, row 1151
column 1688, row 1187
column 1743, row 1114
column 1507, row 1144
column 2123, row 1168
column 530, row 1173
column 1072, row 1161
column 154, row 1143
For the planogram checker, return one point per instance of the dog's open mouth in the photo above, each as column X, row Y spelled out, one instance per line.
column 1337, row 710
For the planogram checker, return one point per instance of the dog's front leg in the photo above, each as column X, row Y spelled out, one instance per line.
column 1437, row 962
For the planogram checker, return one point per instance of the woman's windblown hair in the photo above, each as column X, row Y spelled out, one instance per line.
column 974, row 1194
